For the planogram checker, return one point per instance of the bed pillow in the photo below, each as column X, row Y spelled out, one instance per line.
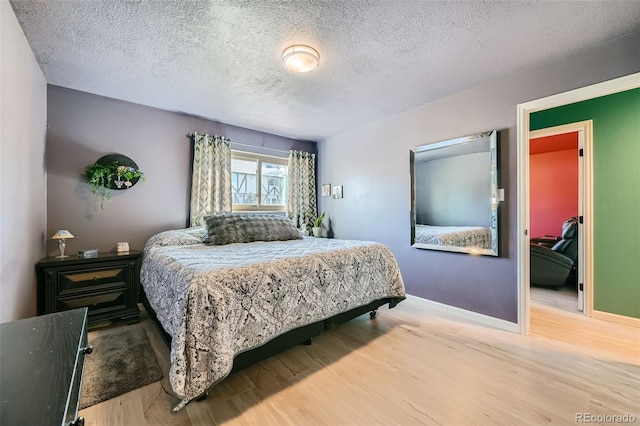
column 199, row 232
column 229, row 228
column 176, row 237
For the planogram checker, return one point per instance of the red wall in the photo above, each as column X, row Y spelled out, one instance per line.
column 553, row 182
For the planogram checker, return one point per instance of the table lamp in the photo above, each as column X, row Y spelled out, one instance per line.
column 61, row 235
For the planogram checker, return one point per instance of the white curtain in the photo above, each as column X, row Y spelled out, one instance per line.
column 302, row 205
column 211, row 178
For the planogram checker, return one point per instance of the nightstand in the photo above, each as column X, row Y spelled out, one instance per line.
column 108, row 285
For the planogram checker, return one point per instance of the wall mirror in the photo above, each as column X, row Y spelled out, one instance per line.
column 455, row 196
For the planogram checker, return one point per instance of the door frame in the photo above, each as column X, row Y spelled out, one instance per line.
column 584, row 129
column 524, row 110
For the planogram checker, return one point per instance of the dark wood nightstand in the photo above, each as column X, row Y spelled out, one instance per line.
column 41, row 369
column 108, row 285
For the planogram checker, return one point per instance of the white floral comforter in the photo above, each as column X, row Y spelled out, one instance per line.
column 219, row 301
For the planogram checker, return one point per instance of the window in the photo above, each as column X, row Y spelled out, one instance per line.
column 258, row 182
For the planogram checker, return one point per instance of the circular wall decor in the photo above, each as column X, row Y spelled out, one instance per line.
column 119, row 183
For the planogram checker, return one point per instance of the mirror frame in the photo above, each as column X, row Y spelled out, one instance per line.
column 496, row 194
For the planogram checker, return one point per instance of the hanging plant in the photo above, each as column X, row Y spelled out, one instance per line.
column 99, row 176
column 105, row 175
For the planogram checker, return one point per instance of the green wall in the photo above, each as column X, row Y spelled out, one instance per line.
column 616, row 194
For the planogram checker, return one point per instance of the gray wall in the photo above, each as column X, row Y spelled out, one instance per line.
column 83, row 127
column 372, row 162
column 454, row 191
column 22, row 173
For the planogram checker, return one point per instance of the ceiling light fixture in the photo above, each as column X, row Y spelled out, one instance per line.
column 300, row 58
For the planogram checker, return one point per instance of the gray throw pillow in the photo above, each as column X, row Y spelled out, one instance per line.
column 229, row 228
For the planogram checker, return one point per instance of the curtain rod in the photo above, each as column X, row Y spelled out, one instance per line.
column 190, row 136
column 259, row 147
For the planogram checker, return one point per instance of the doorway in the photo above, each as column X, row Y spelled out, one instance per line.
column 556, row 178
column 585, row 228
column 523, row 253
column 523, row 134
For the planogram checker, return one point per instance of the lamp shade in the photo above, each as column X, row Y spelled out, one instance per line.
column 300, row 58
column 62, row 234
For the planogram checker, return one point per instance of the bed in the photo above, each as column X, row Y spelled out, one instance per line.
column 249, row 300
column 456, row 236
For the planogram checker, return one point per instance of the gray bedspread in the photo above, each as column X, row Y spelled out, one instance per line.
column 219, row 301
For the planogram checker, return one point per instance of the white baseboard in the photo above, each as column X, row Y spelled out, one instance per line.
column 476, row 317
column 618, row 319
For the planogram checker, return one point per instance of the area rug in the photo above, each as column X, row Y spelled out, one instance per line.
column 121, row 362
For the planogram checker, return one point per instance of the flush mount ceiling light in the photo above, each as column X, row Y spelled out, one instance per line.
column 299, row 58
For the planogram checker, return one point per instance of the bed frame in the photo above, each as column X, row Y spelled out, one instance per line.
column 300, row 335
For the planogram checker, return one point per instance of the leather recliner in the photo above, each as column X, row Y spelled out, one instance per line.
column 551, row 267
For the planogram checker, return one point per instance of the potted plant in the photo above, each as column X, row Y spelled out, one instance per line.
column 104, row 177
column 317, row 226
column 128, row 174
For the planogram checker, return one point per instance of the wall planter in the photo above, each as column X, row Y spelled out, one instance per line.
column 112, row 172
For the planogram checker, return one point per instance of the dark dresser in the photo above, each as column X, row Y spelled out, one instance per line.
column 41, row 363
column 108, row 285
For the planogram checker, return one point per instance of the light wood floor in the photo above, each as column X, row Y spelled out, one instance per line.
column 565, row 299
column 413, row 366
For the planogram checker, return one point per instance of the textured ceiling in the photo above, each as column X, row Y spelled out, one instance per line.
column 221, row 59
